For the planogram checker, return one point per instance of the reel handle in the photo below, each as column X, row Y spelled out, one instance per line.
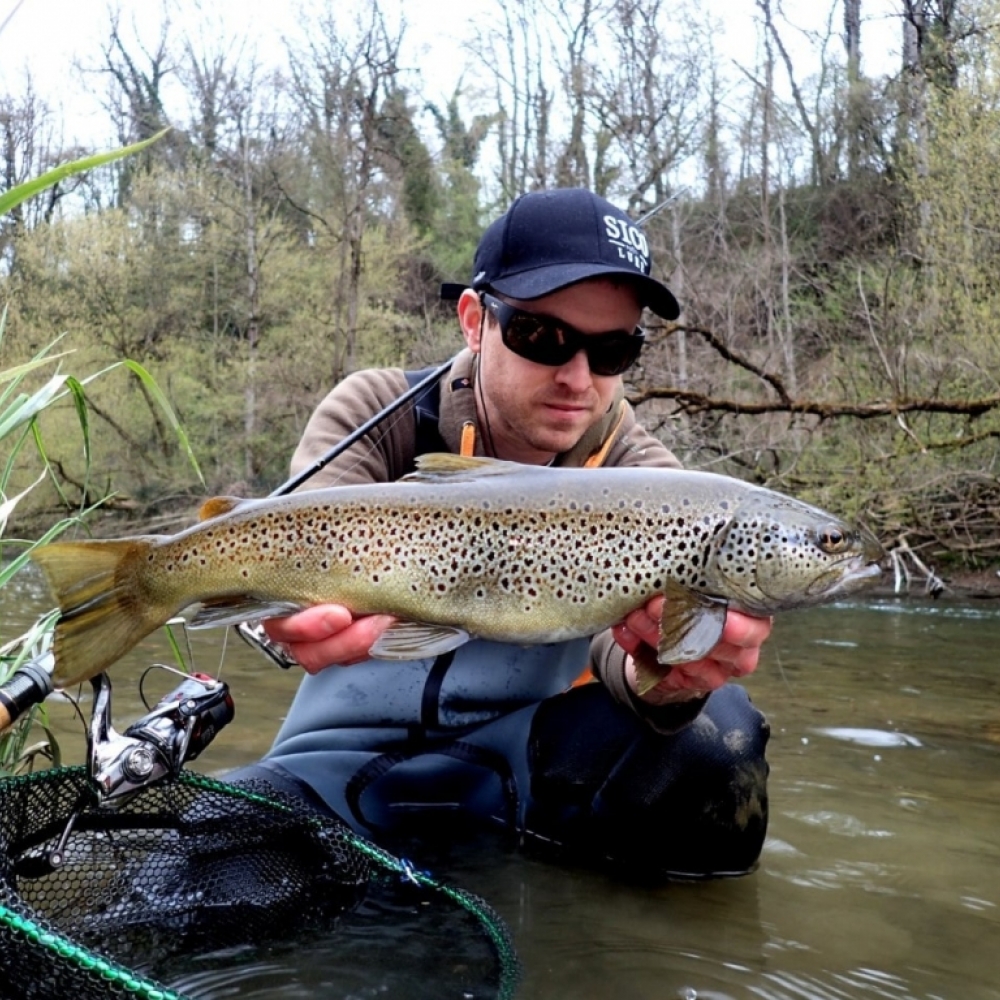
column 28, row 686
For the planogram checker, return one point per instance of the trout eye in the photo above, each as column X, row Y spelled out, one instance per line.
column 832, row 541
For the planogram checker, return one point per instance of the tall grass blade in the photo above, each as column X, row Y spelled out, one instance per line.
column 27, row 407
column 12, row 198
column 157, row 394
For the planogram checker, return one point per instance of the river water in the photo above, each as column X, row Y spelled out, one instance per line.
column 880, row 876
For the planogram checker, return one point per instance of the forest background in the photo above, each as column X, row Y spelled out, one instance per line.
column 833, row 238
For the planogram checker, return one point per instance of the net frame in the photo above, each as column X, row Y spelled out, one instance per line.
column 46, row 955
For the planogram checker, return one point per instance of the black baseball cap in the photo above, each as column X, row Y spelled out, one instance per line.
column 549, row 240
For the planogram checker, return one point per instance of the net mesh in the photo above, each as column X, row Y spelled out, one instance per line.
column 188, row 866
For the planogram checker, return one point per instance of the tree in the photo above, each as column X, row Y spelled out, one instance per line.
column 519, row 92
column 342, row 83
column 458, row 224
column 136, row 75
column 648, row 100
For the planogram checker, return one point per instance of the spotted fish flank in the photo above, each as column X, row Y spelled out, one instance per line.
column 469, row 548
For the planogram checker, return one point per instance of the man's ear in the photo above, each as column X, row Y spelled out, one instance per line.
column 470, row 319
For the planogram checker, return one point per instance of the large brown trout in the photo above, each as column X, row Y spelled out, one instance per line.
column 468, row 548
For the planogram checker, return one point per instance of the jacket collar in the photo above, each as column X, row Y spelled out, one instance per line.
column 458, row 407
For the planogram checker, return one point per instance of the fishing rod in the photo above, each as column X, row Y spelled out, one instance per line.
column 341, row 446
column 656, row 209
column 31, row 683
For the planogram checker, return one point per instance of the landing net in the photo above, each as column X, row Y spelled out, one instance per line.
column 94, row 900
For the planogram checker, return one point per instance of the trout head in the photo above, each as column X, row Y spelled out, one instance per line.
column 778, row 553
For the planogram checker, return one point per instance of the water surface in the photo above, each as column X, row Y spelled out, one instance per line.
column 880, row 876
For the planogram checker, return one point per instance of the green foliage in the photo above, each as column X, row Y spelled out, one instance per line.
column 458, row 220
column 22, row 409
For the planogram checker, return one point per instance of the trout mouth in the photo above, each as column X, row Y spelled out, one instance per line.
column 848, row 576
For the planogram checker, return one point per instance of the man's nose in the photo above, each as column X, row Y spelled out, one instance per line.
column 576, row 372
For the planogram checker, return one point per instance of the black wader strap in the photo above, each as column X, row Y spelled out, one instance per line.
column 430, row 700
column 427, row 409
column 467, row 753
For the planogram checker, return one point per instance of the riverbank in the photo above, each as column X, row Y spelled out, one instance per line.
column 974, row 584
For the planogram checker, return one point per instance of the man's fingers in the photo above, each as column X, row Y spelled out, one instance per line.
column 643, row 625
column 347, row 647
column 735, row 655
column 327, row 634
column 736, row 661
column 311, row 625
column 745, row 631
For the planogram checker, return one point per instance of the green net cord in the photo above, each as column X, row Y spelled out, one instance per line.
column 91, row 966
column 34, row 933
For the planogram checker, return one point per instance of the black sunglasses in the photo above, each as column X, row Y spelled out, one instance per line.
column 549, row 341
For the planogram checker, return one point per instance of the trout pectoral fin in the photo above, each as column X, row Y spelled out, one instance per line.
column 690, row 626
column 417, row 640
column 235, row 610
column 648, row 670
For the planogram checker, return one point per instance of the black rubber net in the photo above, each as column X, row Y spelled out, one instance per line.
column 96, row 901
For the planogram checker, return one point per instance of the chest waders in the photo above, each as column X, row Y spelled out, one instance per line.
column 428, row 439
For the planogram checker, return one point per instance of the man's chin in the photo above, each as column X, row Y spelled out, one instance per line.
column 556, row 441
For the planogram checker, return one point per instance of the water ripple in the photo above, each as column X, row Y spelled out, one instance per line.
column 855, row 983
column 869, row 737
column 842, row 824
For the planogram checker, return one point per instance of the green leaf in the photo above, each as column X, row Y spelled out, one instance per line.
column 82, row 414
column 22, row 192
column 7, row 506
column 19, row 371
column 184, row 663
column 43, row 454
column 27, row 407
column 15, row 450
column 157, row 394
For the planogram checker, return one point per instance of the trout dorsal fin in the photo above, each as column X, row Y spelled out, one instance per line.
column 217, row 506
column 437, row 466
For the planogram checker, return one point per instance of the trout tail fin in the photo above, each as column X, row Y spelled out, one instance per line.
column 104, row 610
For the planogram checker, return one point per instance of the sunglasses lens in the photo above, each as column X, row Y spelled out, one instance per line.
column 538, row 340
column 549, row 342
column 614, row 354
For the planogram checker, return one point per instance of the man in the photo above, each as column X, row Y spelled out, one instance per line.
column 671, row 783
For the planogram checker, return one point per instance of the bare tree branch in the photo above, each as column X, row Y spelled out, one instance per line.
column 713, row 339
column 696, row 402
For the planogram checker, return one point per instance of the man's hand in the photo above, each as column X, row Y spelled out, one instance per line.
column 736, row 654
column 326, row 634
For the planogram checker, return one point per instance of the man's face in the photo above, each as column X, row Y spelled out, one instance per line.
column 531, row 411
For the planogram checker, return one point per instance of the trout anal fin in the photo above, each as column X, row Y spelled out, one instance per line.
column 236, row 610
